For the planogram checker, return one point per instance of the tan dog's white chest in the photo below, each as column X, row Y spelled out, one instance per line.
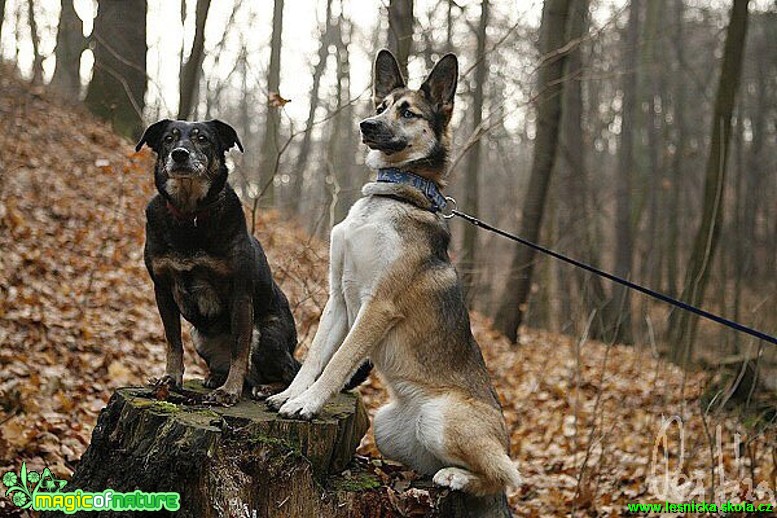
column 364, row 244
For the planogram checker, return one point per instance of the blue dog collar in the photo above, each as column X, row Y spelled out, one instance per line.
column 428, row 187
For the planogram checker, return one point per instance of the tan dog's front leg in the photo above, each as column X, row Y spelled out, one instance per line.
column 331, row 332
column 374, row 321
column 242, row 331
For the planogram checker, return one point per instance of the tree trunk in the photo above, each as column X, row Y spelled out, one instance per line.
column 37, row 62
column 576, row 207
column 307, row 138
column 652, row 258
column 682, row 325
column 118, row 87
column 757, row 170
column 339, row 160
column 2, row 17
column 400, row 33
column 70, row 44
column 471, row 180
column 190, row 75
column 553, row 37
column 269, row 148
column 678, row 108
column 624, row 246
column 247, row 461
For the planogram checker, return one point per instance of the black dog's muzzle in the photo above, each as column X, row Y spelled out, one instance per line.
column 182, row 163
column 180, row 155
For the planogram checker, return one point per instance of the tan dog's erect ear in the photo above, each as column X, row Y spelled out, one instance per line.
column 440, row 87
column 386, row 76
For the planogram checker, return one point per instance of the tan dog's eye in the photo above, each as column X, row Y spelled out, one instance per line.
column 407, row 114
column 380, row 109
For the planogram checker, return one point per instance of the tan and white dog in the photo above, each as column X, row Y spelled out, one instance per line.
column 395, row 298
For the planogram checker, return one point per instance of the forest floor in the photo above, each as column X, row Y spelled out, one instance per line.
column 593, row 427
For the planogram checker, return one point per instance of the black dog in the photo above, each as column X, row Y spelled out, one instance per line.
column 208, row 268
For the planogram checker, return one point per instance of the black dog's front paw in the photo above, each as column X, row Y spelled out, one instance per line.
column 221, row 397
column 214, row 380
column 262, row 392
column 168, row 380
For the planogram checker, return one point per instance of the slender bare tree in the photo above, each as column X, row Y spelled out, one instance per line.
column 624, row 219
column 553, row 39
column 190, row 74
column 37, row 62
column 118, row 87
column 683, row 325
column 2, row 17
column 400, row 33
column 315, row 100
column 472, row 169
column 270, row 147
column 70, row 45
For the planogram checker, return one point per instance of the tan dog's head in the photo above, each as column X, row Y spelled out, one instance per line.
column 409, row 129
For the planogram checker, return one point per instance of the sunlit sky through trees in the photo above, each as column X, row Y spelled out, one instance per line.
column 303, row 21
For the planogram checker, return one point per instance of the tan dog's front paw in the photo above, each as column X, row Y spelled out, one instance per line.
column 222, row 397
column 276, row 402
column 302, row 407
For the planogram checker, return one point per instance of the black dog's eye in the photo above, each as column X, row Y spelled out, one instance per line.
column 168, row 138
column 202, row 138
column 407, row 114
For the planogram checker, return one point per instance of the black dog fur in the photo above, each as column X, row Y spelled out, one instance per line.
column 207, row 268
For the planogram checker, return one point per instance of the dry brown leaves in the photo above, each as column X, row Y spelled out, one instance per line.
column 77, row 320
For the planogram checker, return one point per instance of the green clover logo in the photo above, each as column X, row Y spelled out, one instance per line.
column 23, row 487
column 9, row 479
column 20, row 499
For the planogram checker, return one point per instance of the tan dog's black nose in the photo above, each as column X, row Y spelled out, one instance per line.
column 369, row 126
column 179, row 154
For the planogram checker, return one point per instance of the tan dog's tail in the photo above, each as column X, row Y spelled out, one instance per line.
column 491, row 472
column 507, row 473
column 499, row 472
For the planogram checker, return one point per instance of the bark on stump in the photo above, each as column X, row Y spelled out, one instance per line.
column 246, row 461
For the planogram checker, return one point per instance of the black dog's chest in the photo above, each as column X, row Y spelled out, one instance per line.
column 199, row 283
column 197, row 297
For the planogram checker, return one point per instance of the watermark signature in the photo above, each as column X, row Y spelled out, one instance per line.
column 671, row 481
column 43, row 492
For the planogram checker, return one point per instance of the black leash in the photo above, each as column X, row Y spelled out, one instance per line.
column 647, row 291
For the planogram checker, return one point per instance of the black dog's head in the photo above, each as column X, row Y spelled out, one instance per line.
column 190, row 158
column 410, row 127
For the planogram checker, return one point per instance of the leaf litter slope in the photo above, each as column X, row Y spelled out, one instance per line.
column 77, row 320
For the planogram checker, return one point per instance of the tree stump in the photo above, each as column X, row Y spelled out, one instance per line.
column 247, row 461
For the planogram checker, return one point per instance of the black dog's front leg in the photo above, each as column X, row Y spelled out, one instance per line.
column 242, row 327
column 171, row 320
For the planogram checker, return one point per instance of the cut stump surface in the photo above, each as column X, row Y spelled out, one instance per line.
column 247, row 461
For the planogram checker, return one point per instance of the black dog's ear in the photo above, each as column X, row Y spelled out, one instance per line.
column 227, row 134
column 153, row 135
column 386, row 76
column 440, row 86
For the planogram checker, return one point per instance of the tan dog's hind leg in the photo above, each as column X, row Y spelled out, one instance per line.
column 469, row 438
column 395, row 429
column 374, row 321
